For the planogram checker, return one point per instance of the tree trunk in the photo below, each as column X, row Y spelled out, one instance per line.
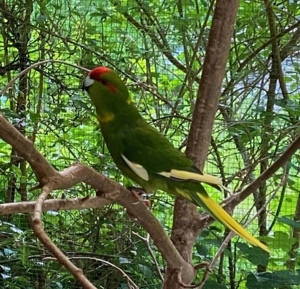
column 185, row 224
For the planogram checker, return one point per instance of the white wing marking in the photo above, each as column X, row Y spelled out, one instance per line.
column 138, row 169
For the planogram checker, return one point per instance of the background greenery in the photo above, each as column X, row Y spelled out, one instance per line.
column 158, row 47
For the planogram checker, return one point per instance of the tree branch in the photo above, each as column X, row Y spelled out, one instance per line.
column 42, row 169
column 54, row 205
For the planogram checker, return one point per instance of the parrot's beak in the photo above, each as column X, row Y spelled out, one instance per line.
column 87, row 83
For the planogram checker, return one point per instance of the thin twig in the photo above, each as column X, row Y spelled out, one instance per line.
column 37, row 64
column 147, row 242
column 129, row 280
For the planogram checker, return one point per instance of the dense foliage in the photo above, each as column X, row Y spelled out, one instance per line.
column 158, row 47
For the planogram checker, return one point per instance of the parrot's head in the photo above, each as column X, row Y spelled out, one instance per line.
column 106, row 90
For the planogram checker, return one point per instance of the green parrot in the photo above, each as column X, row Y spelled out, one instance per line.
column 144, row 155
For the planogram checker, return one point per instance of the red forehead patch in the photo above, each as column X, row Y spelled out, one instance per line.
column 97, row 72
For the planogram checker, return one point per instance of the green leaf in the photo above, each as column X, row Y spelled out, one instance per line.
column 201, row 249
column 9, row 113
column 209, row 284
column 52, row 217
column 24, row 253
column 35, row 117
column 146, row 270
column 290, row 222
column 124, row 260
column 258, row 282
column 254, row 254
column 279, row 279
column 282, row 240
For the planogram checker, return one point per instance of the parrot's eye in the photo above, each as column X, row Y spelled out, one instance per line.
column 107, row 84
column 103, row 81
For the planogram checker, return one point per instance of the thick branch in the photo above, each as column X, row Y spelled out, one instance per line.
column 43, row 170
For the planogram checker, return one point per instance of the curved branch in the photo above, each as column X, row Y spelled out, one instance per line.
column 26, row 149
column 39, row 231
column 130, row 282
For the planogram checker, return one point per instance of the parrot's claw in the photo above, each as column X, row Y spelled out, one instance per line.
column 141, row 195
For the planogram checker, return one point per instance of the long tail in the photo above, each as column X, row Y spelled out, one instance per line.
column 213, row 208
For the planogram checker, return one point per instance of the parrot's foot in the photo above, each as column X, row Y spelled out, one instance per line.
column 141, row 195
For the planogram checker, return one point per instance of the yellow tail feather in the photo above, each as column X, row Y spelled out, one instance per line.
column 222, row 216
